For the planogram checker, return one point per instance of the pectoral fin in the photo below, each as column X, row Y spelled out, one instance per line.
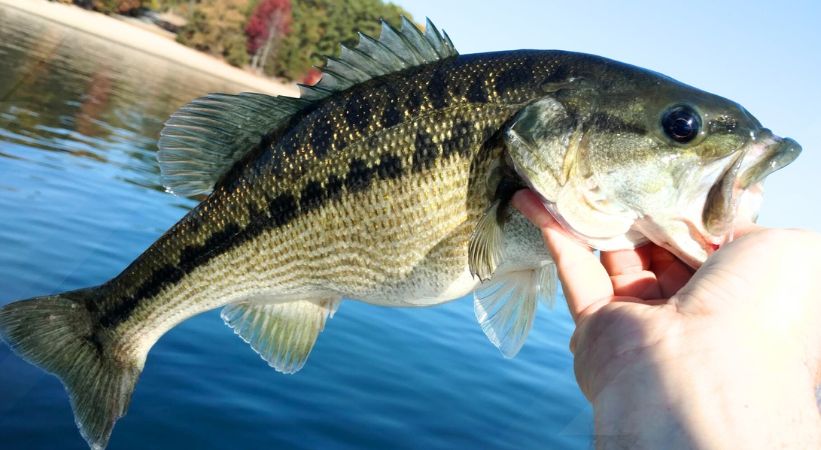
column 506, row 304
column 485, row 246
column 282, row 333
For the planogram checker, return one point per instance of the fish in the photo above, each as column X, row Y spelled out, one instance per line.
column 389, row 182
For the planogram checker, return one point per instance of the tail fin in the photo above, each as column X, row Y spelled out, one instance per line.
column 57, row 333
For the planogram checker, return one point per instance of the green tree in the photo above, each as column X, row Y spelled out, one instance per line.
column 217, row 27
column 117, row 6
column 319, row 26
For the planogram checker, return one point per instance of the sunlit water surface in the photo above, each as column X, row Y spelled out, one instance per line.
column 80, row 199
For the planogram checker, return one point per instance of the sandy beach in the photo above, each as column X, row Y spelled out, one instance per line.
column 145, row 40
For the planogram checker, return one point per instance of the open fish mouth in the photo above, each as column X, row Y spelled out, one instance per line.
column 737, row 192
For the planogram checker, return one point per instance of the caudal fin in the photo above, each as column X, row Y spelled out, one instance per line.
column 57, row 333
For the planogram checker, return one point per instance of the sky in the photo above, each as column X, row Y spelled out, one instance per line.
column 764, row 55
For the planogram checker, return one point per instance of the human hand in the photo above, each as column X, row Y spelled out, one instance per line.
column 728, row 356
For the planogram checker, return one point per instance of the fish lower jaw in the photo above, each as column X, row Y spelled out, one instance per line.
column 679, row 236
column 686, row 235
column 747, row 204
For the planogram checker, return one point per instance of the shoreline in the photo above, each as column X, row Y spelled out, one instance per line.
column 144, row 40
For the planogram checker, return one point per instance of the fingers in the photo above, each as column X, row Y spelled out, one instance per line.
column 584, row 280
column 647, row 272
column 623, row 262
column 630, row 274
column 672, row 274
column 530, row 205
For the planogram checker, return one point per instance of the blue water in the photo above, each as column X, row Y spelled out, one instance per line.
column 80, row 198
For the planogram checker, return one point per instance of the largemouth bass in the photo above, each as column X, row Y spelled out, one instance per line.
column 388, row 182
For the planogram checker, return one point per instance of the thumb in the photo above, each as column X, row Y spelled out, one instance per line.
column 585, row 282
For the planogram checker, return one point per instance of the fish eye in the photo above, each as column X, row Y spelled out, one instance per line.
column 681, row 123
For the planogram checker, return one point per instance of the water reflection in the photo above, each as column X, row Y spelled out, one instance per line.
column 62, row 90
column 80, row 199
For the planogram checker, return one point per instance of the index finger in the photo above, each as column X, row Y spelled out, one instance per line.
column 584, row 280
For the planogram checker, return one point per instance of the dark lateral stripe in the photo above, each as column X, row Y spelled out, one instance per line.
column 359, row 176
column 333, row 188
column 389, row 167
column 425, row 151
column 167, row 274
column 459, row 140
column 317, row 136
column 312, row 196
column 282, row 209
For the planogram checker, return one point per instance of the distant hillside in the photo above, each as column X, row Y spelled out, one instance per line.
column 282, row 38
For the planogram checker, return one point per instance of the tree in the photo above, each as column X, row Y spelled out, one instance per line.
column 270, row 21
column 116, row 6
column 216, row 27
column 319, row 26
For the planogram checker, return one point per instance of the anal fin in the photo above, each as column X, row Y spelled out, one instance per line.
column 283, row 334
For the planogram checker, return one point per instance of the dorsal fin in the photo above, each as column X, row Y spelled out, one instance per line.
column 395, row 50
column 203, row 139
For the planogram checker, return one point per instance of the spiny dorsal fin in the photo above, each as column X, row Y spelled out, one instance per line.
column 203, row 139
column 395, row 50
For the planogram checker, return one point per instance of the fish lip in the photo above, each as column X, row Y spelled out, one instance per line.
column 777, row 155
column 757, row 160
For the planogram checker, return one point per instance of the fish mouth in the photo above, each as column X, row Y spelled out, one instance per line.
column 737, row 192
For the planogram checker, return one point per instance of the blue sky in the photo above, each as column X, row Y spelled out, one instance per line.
column 764, row 55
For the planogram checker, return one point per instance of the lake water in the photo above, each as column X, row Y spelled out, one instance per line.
column 80, row 198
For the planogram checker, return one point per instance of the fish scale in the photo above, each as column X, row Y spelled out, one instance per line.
column 299, row 259
column 254, row 187
column 389, row 182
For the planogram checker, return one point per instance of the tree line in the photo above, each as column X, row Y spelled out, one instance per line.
column 283, row 38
